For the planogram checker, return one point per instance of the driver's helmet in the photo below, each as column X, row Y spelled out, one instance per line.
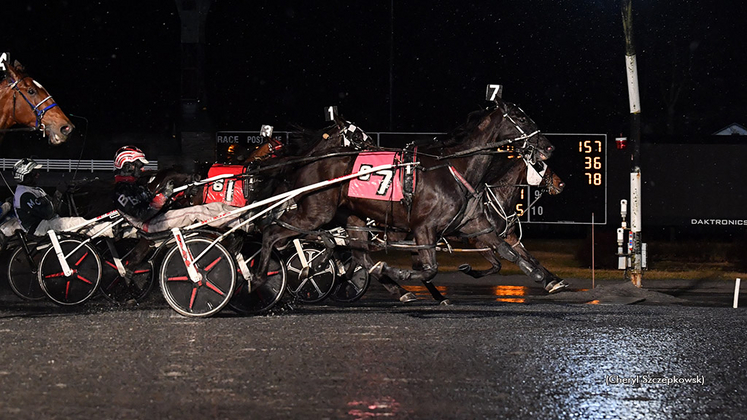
column 128, row 154
column 24, row 167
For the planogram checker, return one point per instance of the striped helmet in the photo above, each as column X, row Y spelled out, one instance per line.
column 24, row 167
column 128, row 154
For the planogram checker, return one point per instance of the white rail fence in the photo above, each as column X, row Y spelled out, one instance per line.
column 71, row 165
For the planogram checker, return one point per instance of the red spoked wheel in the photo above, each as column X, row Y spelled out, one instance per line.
column 85, row 272
column 206, row 295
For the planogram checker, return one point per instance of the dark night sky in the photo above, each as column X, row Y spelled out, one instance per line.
column 280, row 61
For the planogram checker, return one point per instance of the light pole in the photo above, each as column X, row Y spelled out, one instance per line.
column 636, row 273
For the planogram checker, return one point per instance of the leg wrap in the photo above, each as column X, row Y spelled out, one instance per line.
column 398, row 274
column 505, row 251
column 465, row 268
column 535, row 273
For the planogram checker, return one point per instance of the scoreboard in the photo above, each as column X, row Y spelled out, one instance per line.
column 580, row 160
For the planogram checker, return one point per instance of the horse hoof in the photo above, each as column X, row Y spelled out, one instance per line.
column 445, row 302
column 377, row 268
column 556, row 286
column 408, row 297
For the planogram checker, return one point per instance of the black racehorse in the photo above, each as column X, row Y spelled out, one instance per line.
column 444, row 199
column 498, row 203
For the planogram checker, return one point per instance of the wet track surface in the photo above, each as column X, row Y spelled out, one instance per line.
column 503, row 350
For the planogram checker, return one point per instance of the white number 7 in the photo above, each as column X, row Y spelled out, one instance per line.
column 388, row 174
column 493, row 92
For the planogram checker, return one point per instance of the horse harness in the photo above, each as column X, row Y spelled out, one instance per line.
column 35, row 108
column 534, row 178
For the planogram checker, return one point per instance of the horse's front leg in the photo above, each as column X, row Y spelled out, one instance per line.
column 532, row 267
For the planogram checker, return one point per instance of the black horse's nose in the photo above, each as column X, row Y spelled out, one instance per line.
column 550, row 148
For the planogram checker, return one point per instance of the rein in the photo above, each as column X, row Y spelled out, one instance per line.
column 477, row 149
column 510, row 219
column 300, row 160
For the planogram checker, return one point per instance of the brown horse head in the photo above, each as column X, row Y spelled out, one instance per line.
column 25, row 101
column 551, row 182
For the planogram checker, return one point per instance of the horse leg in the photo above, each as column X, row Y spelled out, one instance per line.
column 361, row 254
column 428, row 270
column 492, row 259
column 425, row 266
column 512, row 248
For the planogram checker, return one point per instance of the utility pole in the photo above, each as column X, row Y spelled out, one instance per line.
column 636, row 269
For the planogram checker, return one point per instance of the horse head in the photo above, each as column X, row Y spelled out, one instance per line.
column 510, row 123
column 31, row 105
column 539, row 174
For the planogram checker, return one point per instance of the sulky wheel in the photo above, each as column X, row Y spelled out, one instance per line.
column 22, row 274
column 138, row 280
column 318, row 284
column 85, row 266
column 211, row 292
column 247, row 300
column 352, row 282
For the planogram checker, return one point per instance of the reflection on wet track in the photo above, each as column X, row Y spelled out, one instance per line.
column 502, row 293
column 482, row 357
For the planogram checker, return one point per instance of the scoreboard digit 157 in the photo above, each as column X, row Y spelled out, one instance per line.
column 580, row 160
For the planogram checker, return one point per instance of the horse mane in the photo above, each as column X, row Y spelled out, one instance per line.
column 465, row 130
column 302, row 140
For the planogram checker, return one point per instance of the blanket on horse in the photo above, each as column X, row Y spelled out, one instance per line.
column 230, row 190
column 386, row 185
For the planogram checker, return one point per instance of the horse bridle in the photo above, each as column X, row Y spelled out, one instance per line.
column 347, row 132
column 34, row 108
column 526, row 146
